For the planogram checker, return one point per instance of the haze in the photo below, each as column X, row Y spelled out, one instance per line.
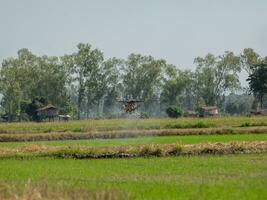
column 177, row 31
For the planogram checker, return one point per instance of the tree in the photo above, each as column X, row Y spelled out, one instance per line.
column 30, row 77
column 249, row 58
column 215, row 76
column 258, row 81
column 113, row 84
column 84, row 66
column 15, row 82
column 142, row 78
column 174, row 111
column 177, row 87
column 238, row 103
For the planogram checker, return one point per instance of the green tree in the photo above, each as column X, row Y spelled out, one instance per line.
column 84, row 66
column 215, row 76
column 16, row 77
column 30, row 77
column 142, row 78
column 249, row 58
column 113, row 85
column 177, row 88
column 258, row 81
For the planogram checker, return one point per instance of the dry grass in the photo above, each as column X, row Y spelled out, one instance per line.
column 79, row 152
column 128, row 134
column 42, row 191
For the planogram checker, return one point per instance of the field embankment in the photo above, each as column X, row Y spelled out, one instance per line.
column 78, row 152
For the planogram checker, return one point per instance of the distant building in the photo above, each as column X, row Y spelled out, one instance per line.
column 64, row 117
column 48, row 111
column 191, row 113
column 209, row 111
column 259, row 112
column 264, row 111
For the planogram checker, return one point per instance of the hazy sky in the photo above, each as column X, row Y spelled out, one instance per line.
column 177, row 30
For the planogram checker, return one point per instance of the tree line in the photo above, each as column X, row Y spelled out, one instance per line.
column 84, row 84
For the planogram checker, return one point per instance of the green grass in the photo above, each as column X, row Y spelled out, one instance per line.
column 195, row 177
column 192, row 139
column 240, row 176
column 119, row 124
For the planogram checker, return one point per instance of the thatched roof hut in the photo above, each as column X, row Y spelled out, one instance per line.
column 209, row 111
column 48, row 111
column 259, row 112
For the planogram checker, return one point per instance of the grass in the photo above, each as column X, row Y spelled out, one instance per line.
column 126, row 124
column 8, row 137
column 191, row 139
column 148, row 159
column 158, row 150
column 194, row 177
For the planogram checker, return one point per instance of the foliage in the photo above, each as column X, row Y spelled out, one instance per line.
column 177, row 88
column 258, row 81
column 86, row 84
column 238, row 104
column 30, row 77
column 249, row 58
column 85, row 66
column 174, row 111
column 144, row 115
column 215, row 76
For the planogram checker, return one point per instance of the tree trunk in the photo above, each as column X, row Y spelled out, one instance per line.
column 261, row 101
column 80, row 95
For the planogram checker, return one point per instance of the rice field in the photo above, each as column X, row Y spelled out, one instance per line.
column 193, row 177
column 130, row 124
column 213, row 158
column 191, row 139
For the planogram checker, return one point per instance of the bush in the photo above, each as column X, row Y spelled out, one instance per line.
column 144, row 115
column 174, row 111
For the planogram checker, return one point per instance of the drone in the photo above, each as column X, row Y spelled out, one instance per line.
column 130, row 106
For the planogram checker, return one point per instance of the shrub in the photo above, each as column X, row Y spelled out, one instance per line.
column 77, row 130
column 174, row 111
column 144, row 115
column 246, row 124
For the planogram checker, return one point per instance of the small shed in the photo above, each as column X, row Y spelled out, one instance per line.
column 48, row 111
column 259, row 112
column 264, row 111
column 64, row 117
column 209, row 111
column 191, row 113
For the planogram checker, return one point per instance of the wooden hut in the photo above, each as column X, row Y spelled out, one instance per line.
column 259, row 112
column 209, row 111
column 48, row 111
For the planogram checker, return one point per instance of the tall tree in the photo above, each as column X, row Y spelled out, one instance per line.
column 84, row 65
column 216, row 76
column 177, row 88
column 142, row 78
column 258, row 81
column 30, row 77
column 16, row 78
column 249, row 58
column 113, row 85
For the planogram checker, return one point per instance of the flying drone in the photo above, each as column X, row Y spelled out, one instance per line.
column 130, row 105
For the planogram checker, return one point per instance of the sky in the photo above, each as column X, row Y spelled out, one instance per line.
column 176, row 30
